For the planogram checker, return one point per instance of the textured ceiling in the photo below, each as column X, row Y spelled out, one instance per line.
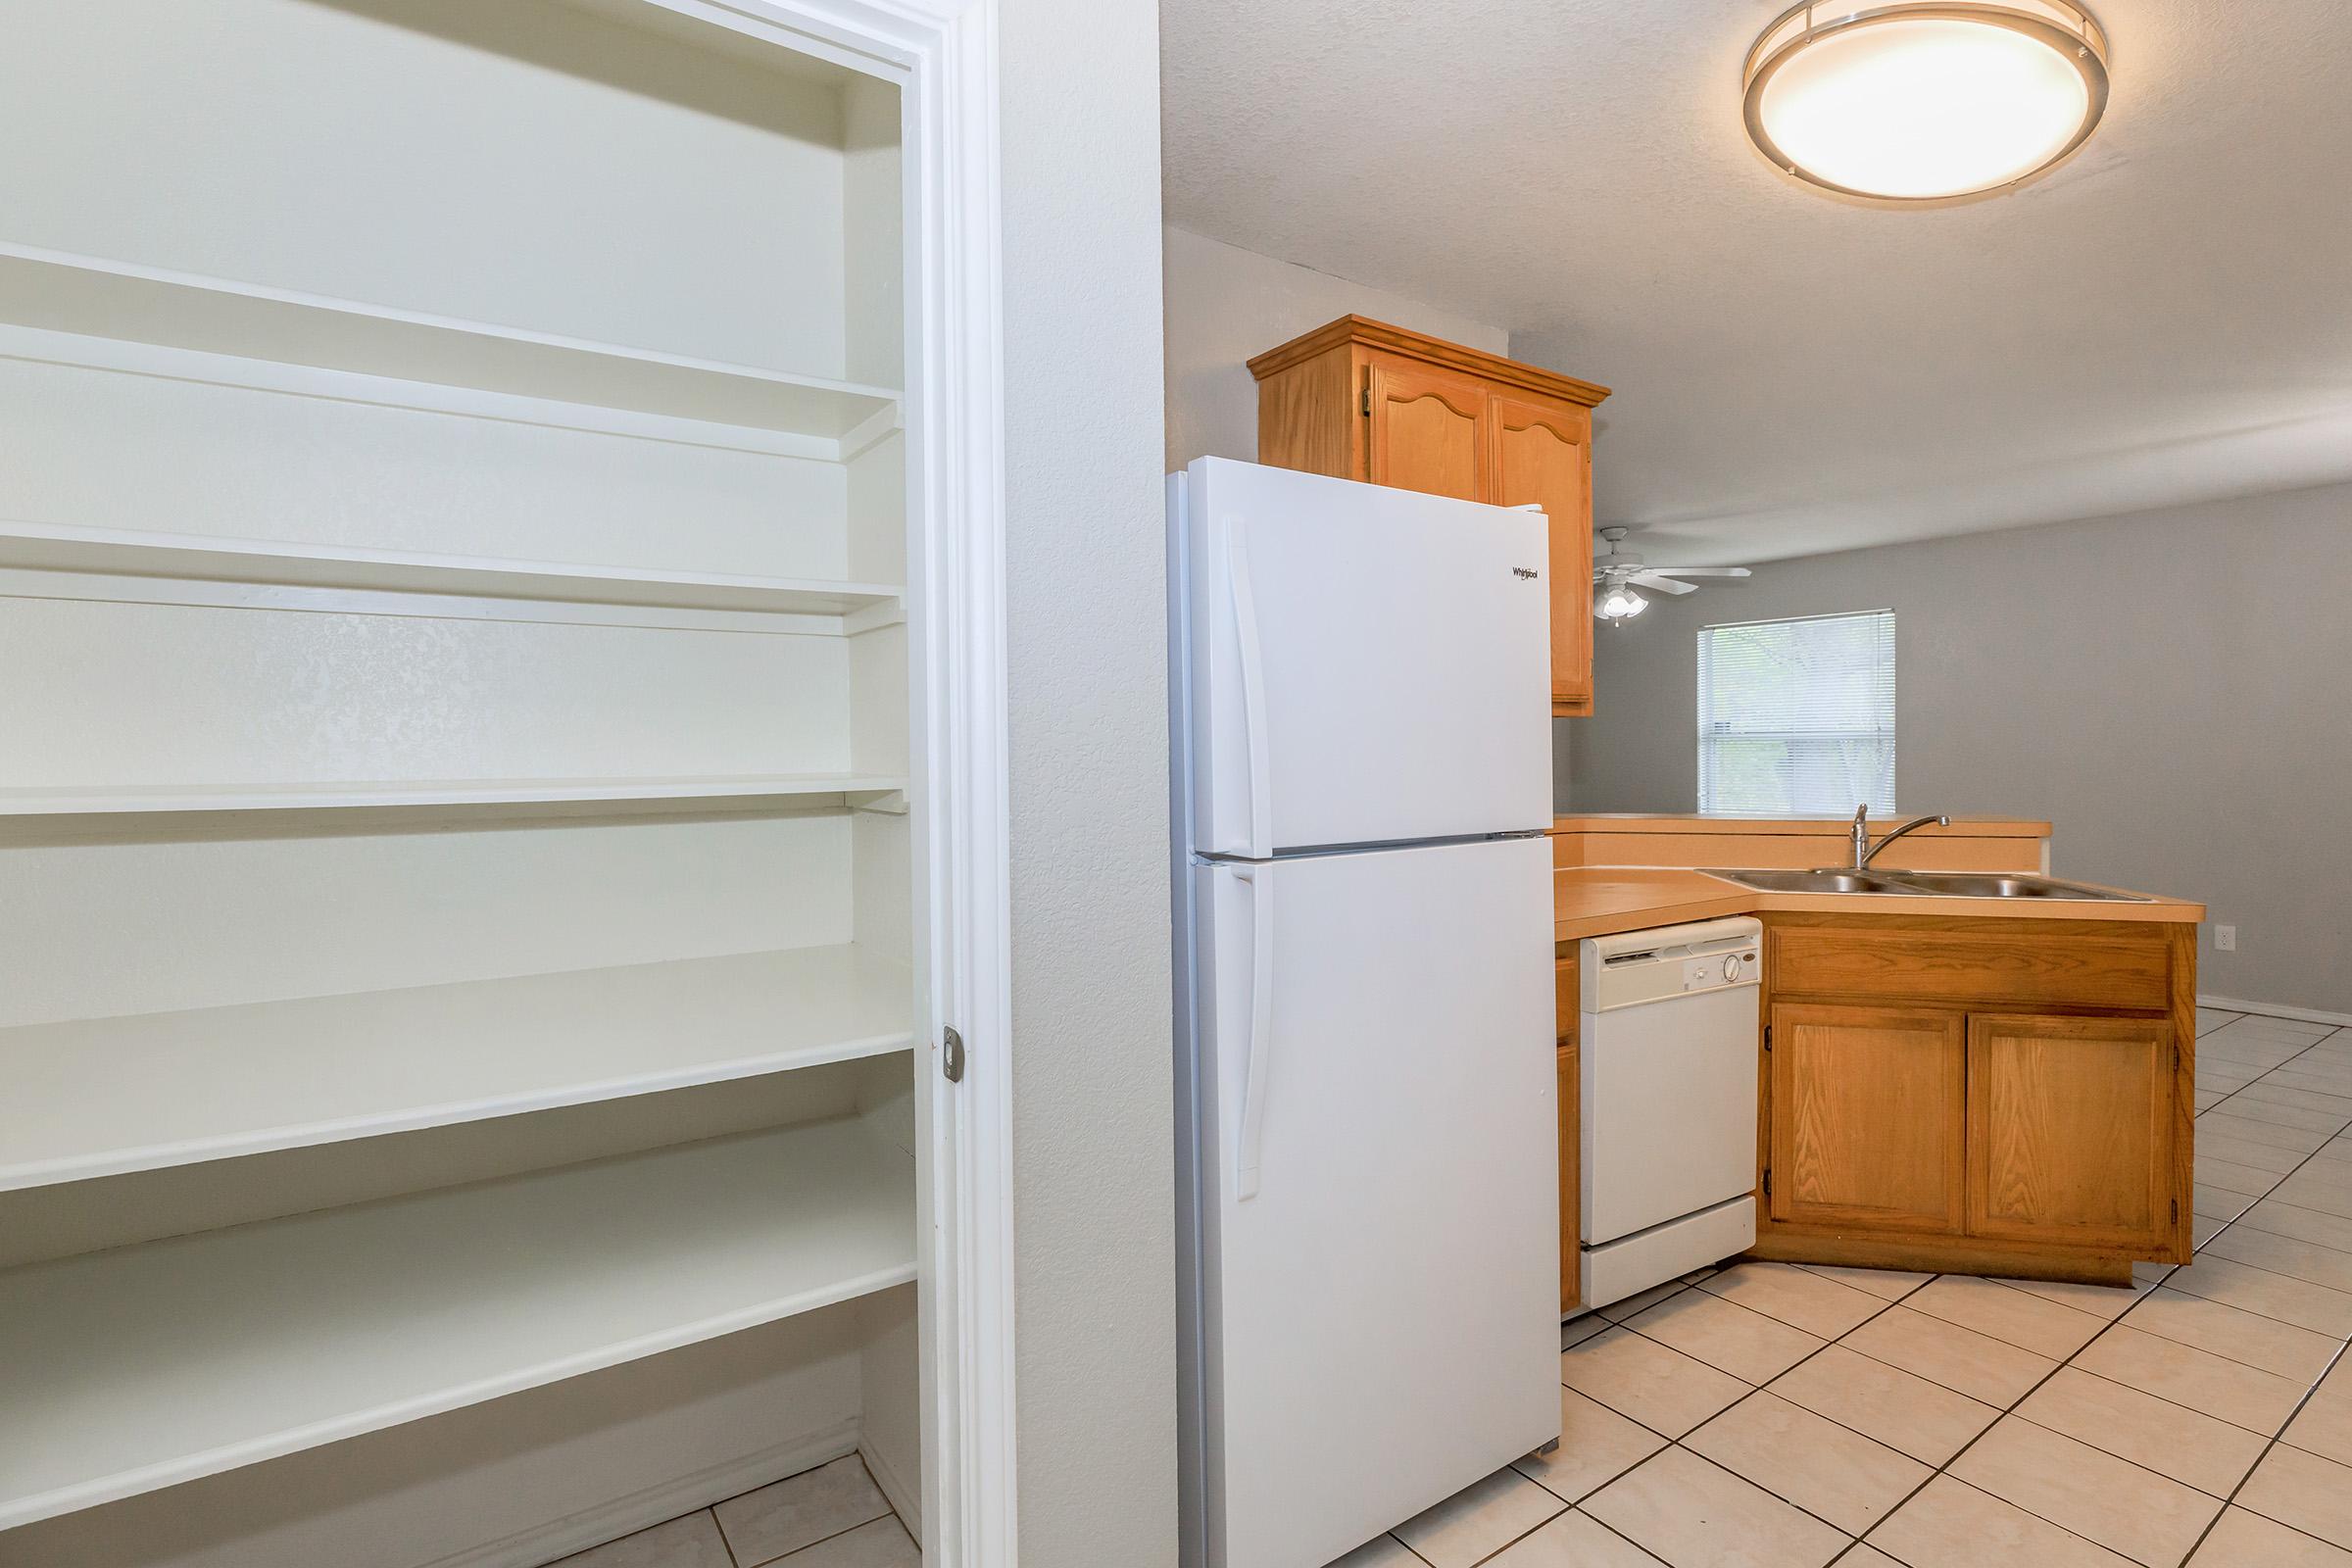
column 2167, row 319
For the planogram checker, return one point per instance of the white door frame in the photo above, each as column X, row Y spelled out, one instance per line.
column 943, row 56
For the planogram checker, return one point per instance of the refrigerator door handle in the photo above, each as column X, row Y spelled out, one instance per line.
column 1253, row 689
column 1258, row 1045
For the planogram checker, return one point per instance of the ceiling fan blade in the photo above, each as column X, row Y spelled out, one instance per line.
column 1664, row 585
column 1703, row 571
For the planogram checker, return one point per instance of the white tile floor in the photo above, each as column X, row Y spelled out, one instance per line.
column 831, row 1517
column 1770, row 1416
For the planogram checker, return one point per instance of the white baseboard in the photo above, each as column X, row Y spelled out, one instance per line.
column 2272, row 1009
column 641, row 1510
column 904, row 1500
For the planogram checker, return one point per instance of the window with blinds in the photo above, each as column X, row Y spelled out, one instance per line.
column 1796, row 717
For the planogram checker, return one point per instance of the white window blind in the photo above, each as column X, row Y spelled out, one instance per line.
column 1796, row 717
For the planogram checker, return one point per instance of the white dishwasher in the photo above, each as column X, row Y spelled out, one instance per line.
column 1668, row 1073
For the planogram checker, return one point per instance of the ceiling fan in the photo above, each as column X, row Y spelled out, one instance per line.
column 1617, row 574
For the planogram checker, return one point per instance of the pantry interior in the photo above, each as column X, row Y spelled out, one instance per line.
column 468, row 677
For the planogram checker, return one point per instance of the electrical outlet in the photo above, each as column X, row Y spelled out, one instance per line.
column 2225, row 939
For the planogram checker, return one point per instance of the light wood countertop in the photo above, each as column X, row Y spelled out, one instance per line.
column 1598, row 899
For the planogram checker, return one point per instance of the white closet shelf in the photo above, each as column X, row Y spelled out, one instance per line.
column 145, row 1366
column 98, row 297
column 716, row 793
column 48, row 547
column 100, row 1097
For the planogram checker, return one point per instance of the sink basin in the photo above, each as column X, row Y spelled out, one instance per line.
column 1826, row 881
column 1923, row 884
column 1981, row 885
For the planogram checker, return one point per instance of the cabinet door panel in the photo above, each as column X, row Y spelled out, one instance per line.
column 1566, row 1001
column 1571, row 1172
column 2070, row 1129
column 1565, row 998
column 1428, row 431
column 1543, row 455
column 1869, row 1109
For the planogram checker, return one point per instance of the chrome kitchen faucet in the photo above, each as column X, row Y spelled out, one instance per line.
column 1865, row 852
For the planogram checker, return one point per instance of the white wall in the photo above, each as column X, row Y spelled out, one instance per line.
column 1094, row 1150
column 1226, row 304
column 2169, row 688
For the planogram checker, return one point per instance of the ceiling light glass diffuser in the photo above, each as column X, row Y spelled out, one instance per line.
column 1925, row 102
column 1620, row 602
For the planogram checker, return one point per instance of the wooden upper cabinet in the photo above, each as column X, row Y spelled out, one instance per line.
column 1429, row 430
column 1542, row 455
column 1869, row 1117
column 1360, row 399
column 2070, row 1130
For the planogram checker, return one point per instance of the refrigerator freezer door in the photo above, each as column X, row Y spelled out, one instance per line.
column 1379, row 1186
column 1368, row 665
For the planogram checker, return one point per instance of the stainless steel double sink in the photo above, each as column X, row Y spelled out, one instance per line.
column 1924, row 884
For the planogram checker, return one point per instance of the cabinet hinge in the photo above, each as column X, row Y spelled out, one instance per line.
column 951, row 1056
column 1768, row 1181
column 1367, row 403
column 1768, row 1037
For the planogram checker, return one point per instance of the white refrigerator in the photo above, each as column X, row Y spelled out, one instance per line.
column 1367, row 1125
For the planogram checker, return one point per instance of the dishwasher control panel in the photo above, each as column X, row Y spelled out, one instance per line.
column 1634, row 968
column 1727, row 967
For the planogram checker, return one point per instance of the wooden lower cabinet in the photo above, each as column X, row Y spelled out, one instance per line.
column 1991, row 1097
column 1869, row 1117
column 2070, row 1135
column 1570, row 1171
column 1565, row 1001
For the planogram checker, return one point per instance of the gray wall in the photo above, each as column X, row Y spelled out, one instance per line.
column 1094, row 1185
column 2171, row 689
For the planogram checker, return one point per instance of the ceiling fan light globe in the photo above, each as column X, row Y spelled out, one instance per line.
column 1619, row 603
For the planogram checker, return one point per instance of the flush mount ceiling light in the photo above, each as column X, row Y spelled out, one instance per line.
column 1924, row 102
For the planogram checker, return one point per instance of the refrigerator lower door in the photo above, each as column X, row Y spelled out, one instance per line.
column 1378, row 1188
column 1367, row 665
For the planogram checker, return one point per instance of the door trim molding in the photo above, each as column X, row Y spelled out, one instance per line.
column 942, row 54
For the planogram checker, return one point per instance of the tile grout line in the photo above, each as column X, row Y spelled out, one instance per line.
column 2267, row 1071
column 1888, row 1305
column 1753, row 1388
column 1884, row 1306
column 2277, row 1437
column 2102, row 1377
column 2001, row 1412
column 1962, row 1451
